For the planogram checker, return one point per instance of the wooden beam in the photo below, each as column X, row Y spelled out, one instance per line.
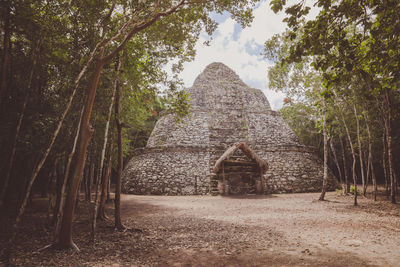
column 244, row 173
column 241, row 169
column 239, row 163
column 223, row 180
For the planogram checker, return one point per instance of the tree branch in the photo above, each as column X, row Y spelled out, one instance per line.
column 108, row 16
column 137, row 28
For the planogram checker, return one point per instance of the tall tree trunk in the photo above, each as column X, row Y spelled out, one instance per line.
column 6, row 52
column 85, row 134
column 35, row 58
column 60, row 211
column 86, row 181
column 360, row 152
column 389, row 148
column 370, row 158
column 374, row 184
column 354, row 158
column 368, row 169
column 346, row 174
column 95, row 203
column 102, row 211
column 91, row 178
column 117, row 201
column 384, row 166
column 325, row 132
column 108, row 200
column 335, row 159
column 60, row 176
column 103, row 152
column 52, row 192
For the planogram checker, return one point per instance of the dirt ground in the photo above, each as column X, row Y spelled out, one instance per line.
column 273, row 230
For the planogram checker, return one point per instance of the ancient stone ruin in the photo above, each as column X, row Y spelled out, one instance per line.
column 181, row 158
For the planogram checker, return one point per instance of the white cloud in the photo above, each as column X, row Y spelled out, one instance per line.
column 240, row 50
column 242, row 54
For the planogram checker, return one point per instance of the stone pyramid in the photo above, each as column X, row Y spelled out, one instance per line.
column 179, row 158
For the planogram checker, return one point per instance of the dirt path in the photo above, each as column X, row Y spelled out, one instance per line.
column 275, row 230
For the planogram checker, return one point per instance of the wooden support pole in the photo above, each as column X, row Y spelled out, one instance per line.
column 223, row 180
column 262, row 181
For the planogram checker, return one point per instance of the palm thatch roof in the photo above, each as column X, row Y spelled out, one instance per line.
column 262, row 164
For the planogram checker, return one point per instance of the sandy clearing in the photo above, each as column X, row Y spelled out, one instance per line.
column 277, row 230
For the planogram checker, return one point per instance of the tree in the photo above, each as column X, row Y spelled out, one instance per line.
column 118, row 122
column 107, row 50
column 351, row 37
column 298, row 81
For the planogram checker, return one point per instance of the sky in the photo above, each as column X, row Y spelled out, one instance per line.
column 240, row 49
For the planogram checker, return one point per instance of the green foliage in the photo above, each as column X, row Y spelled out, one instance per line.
column 352, row 190
column 298, row 80
column 70, row 31
column 299, row 117
column 354, row 47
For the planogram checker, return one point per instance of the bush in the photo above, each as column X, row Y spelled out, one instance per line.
column 339, row 192
column 352, row 189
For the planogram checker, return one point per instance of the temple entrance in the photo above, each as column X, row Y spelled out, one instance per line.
column 240, row 171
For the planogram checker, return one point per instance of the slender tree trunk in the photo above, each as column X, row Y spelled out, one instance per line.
column 374, row 184
column 82, row 184
column 346, row 174
column 117, row 201
column 95, row 203
column 60, row 211
column 370, row 158
column 325, row 132
column 335, row 159
column 384, row 166
column 35, row 56
column 6, row 52
column 368, row 168
column 360, row 152
column 102, row 211
column 109, row 190
column 103, row 152
column 60, row 176
column 389, row 148
column 354, row 159
column 91, row 179
column 85, row 134
column 86, row 182
column 52, row 197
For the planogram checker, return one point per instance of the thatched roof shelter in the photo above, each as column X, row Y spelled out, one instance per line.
column 262, row 164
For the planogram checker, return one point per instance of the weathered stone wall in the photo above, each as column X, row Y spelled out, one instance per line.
column 177, row 171
column 294, row 172
column 179, row 158
column 268, row 130
column 167, row 172
column 193, row 131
